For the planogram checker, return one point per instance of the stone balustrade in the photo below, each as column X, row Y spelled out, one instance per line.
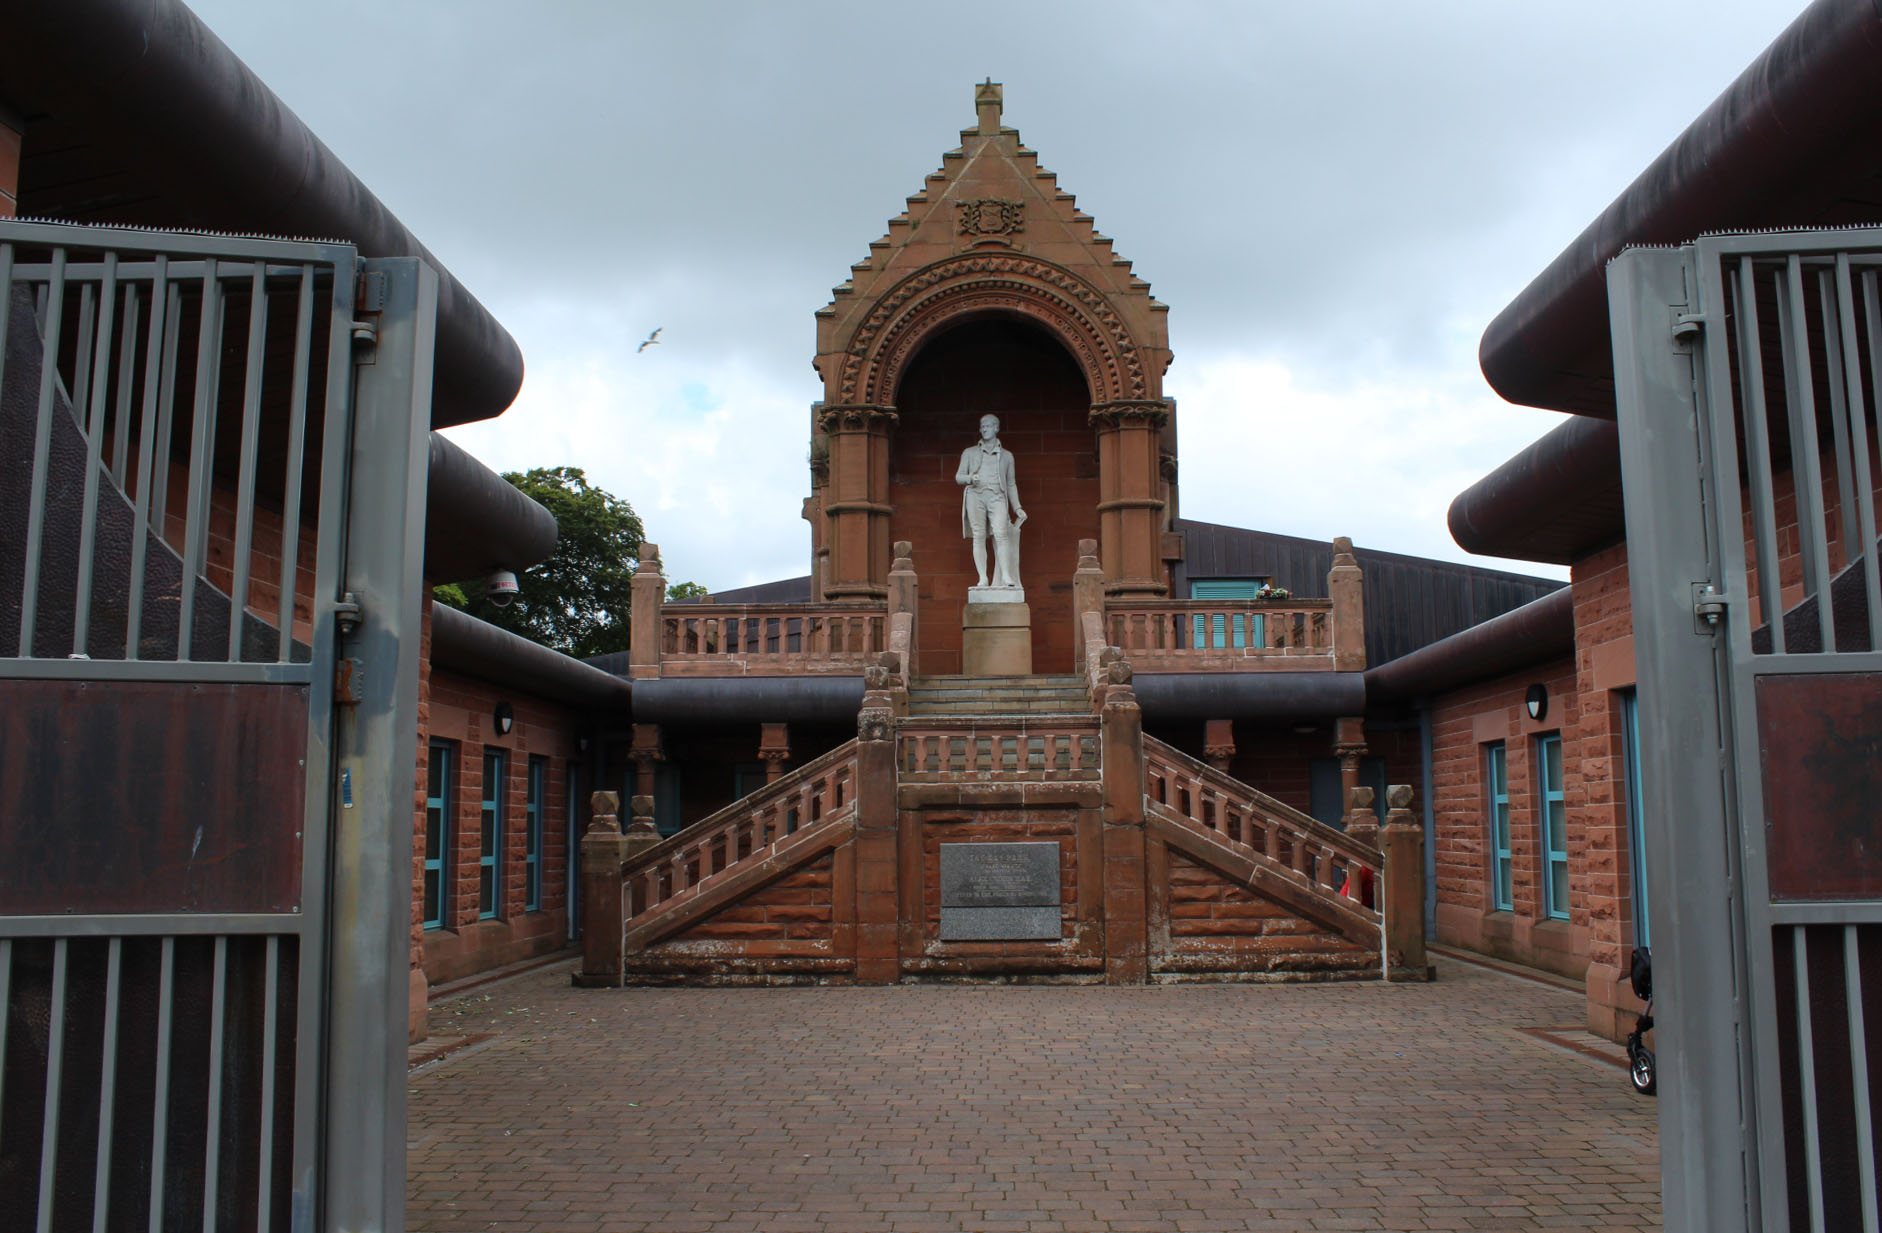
column 1004, row 750
column 1201, row 635
column 810, row 796
column 1320, row 855
column 770, row 639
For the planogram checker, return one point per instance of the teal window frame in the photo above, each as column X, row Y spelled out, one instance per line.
column 436, row 890
column 1552, row 815
column 1636, row 816
column 533, row 803
column 490, row 838
column 1230, row 631
column 1496, row 780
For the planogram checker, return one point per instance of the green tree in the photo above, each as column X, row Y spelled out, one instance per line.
column 576, row 601
column 687, row 590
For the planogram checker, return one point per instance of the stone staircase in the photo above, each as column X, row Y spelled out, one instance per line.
column 936, row 697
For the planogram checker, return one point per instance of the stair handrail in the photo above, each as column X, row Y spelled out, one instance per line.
column 710, row 826
column 1279, row 818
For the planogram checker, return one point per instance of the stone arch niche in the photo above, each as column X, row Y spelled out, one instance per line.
column 1008, row 366
column 992, row 269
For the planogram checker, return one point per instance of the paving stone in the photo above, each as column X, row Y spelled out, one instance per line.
column 1034, row 1109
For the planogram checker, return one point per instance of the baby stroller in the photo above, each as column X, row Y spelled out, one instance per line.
column 1640, row 1058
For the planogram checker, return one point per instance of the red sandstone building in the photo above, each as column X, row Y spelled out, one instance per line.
column 797, row 759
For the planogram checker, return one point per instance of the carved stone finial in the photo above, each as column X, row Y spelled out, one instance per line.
column 1398, row 796
column 604, row 813
column 875, row 724
column 875, row 677
column 989, row 101
column 1343, row 551
column 649, row 559
column 1118, row 671
column 1361, row 799
column 904, row 557
column 640, row 809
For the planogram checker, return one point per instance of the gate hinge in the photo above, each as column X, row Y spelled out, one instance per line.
column 1688, row 326
column 1708, row 607
column 347, row 613
column 349, row 682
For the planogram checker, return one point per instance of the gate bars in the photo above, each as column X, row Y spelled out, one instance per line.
column 1748, row 385
column 178, row 436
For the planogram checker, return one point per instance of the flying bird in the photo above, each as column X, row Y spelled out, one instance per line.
column 652, row 339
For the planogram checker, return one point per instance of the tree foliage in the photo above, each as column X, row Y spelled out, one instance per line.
column 686, row 590
column 577, row 600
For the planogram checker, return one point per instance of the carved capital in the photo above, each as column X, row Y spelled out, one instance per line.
column 1131, row 413
column 875, row 724
column 1166, row 467
column 856, row 417
column 1219, row 755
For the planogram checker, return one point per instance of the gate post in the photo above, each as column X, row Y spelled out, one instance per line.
column 1708, row 1110
column 376, row 747
column 1126, row 901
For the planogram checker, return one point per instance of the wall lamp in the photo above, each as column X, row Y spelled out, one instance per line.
column 1537, row 700
column 505, row 718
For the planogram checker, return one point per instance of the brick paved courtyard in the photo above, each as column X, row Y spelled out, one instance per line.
column 988, row 1109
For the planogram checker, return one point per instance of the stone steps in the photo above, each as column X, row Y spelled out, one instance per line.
column 994, row 696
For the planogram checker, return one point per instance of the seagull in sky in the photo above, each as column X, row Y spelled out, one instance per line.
column 652, row 339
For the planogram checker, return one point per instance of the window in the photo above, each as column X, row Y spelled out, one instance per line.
column 1497, row 779
column 1554, row 826
column 747, row 778
column 1636, row 825
column 437, row 833
column 1227, row 629
column 532, row 833
column 489, row 860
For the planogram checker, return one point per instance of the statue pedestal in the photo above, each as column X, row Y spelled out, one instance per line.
column 996, row 638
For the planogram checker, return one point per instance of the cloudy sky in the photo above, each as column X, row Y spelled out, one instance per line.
column 1333, row 197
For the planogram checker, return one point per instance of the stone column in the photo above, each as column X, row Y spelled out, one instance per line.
column 1218, row 743
column 604, row 907
column 1349, row 745
column 646, row 593
column 1346, row 587
column 646, row 753
column 878, row 902
column 1402, row 899
column 856, row 504
column 1126, row 898
column 1362, row 823
column 1130, row 509
column 774, row 749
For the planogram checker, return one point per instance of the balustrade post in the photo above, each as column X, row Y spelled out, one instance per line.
column 1346, row 588
column 1402, row 900
column 856, row 503
column 604, row 916
column 1126, row 900
column 647, row 591
column 1130, row 502
column 878, row 905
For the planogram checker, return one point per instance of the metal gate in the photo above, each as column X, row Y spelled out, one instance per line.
column 1748, row 382
column 211, row 503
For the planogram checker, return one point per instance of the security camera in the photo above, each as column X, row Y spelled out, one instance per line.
column 500, row 588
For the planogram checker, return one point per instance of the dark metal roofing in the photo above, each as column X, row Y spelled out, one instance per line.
column 1168, row 696
column 783, row 591
column 1796, row 140
column 476, row 521
column 461, row 642
column 1410, row 601
column 1559, row 500
column 1532, row 634
column 136, row 113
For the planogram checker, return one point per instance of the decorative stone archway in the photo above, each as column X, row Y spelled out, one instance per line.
column 991, row 235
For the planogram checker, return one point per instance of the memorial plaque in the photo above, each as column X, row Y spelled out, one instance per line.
column 999, row 891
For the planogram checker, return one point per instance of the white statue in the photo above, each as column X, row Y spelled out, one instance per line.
column 988, row 489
